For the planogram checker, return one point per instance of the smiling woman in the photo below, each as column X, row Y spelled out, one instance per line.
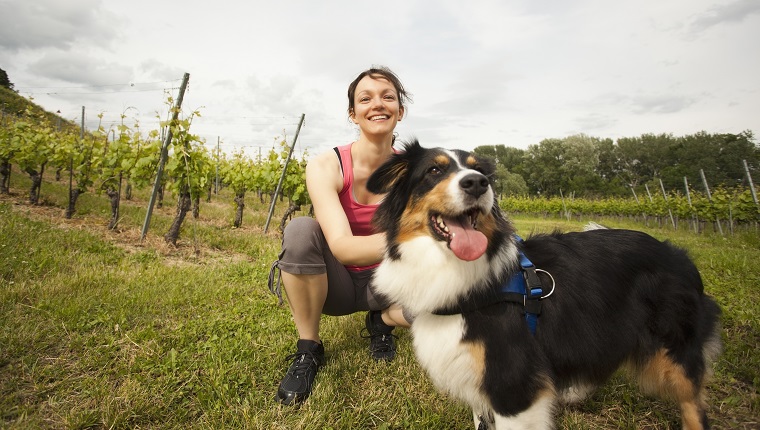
column 326, row 263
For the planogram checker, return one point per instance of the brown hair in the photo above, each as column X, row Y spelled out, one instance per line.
column 379, row 72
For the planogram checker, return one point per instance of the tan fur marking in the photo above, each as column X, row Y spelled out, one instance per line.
column 415, row 219
column 471, row 161
column 487, row 224
column 478, row 352
column 665, row 378
column 413, row 223
column 442, row 160
column 398, row 171
column 549, row 389
column 438, row 199
column 690, row 416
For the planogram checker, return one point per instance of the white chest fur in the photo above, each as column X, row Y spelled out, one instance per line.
column 454, row 366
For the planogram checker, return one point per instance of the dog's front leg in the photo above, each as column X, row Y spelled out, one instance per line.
column 483, row 419
column 539, row 416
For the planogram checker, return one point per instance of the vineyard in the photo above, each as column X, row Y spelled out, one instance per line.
column 115, row 161
column 724, row 210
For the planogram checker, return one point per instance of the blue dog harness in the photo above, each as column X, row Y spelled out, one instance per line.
column 523, row 288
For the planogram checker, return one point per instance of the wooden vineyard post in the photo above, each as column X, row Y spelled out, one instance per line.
column 164, row 154
column 709, row 198
column 651, row 201
column 695, row 218
column 667, row 204
column 751, row 184
column 282, row 177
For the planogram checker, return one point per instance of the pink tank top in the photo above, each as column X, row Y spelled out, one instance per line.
column 359, row 215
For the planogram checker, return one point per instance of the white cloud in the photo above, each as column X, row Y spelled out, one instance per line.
column 731, row 13
column 77, row 68
column 42, row 24
column 488, row 72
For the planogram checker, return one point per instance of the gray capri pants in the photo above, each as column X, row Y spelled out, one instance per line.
column 305, row 252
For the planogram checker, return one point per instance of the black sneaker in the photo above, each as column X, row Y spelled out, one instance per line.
column 295, row 387
column 382, row 345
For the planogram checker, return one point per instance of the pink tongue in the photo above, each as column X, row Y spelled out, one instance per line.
column 467, row 243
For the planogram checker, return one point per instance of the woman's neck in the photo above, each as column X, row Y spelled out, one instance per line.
column 373, row 149
column 372, row 152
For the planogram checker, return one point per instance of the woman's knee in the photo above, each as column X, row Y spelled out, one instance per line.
column 300, row 227
column 302, row 242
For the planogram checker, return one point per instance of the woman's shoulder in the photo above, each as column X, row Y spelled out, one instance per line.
column 326, row 168
column 325, row 159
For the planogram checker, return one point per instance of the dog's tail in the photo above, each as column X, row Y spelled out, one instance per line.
column 593, row 226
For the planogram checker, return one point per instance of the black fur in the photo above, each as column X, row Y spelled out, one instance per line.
column 621, row 297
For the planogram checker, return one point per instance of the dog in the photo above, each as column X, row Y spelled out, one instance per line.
column 595, row 301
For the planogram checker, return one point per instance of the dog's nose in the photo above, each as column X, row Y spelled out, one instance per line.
column 474, row 184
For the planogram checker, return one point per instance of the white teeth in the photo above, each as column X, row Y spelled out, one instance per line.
column 375, row 118
column 441, row 224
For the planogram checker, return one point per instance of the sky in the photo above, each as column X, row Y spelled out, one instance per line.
column 480, row 72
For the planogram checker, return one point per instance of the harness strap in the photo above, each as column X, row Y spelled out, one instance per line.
column 527, row 284
column 523, row 288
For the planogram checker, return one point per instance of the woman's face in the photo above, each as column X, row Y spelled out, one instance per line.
column 376, row 106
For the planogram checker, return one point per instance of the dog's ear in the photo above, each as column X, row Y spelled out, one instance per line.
column 487, row 166
column 388, row 174
column 393, row 170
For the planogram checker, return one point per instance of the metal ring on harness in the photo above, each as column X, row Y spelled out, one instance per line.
column 554, row 283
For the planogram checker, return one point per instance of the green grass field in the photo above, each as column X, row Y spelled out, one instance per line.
column 100, row 330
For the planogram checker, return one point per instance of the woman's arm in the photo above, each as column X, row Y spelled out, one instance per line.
column 324, row 182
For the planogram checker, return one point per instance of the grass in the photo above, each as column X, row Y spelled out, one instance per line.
column 101, row 330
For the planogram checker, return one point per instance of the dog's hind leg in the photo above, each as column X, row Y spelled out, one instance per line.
column 664, row 377
column 576, row 393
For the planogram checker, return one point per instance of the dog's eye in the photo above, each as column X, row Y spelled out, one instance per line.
column 434, row 170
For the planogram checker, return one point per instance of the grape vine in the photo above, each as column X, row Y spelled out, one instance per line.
column 115, row 161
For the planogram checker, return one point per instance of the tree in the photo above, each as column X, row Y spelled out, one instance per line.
column 508, row 183
column 643, row 158
column 581, row 166
column 543, row 167
column 718, row 155
column 511, row 158
column 5, row 81
column 609, row 169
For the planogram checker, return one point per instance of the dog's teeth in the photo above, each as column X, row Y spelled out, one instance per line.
column 442, row 225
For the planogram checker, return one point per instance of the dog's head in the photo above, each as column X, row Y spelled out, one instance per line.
column 444, row 195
